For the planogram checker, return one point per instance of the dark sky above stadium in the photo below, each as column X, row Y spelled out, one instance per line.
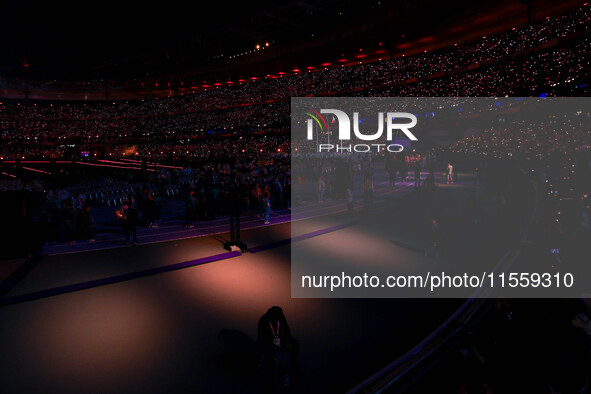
column 123, row 40
column 66, row 36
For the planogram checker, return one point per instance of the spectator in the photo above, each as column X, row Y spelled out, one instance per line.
column 129, row 216
column 321, row 188
column 266, row 204
column 279, row 348
column 190, row 207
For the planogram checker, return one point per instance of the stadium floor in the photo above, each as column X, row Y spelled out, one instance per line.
column 192, row 329
column 136, row 319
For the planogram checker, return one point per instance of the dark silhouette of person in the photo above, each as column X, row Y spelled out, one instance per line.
column 417, row 168
column 130, row 217
column 434, row 240
column 279, row 348
column 87, row 224
column 190, row 206
column 368, row 191
column 236, row 196
column 391, row 167
column 235, row 211
column 69, row 219
column 430, row 184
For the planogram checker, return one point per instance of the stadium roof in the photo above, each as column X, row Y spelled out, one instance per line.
column 118, row 50
column 77, row 41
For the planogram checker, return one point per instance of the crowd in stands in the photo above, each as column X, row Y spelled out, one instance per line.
column 555, row 152
column 247, row 120
column 550, row 58
column 529, row 139
column 212, row 149
column 499, row 47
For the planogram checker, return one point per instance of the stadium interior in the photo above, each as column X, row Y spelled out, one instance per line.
column 134, row 138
